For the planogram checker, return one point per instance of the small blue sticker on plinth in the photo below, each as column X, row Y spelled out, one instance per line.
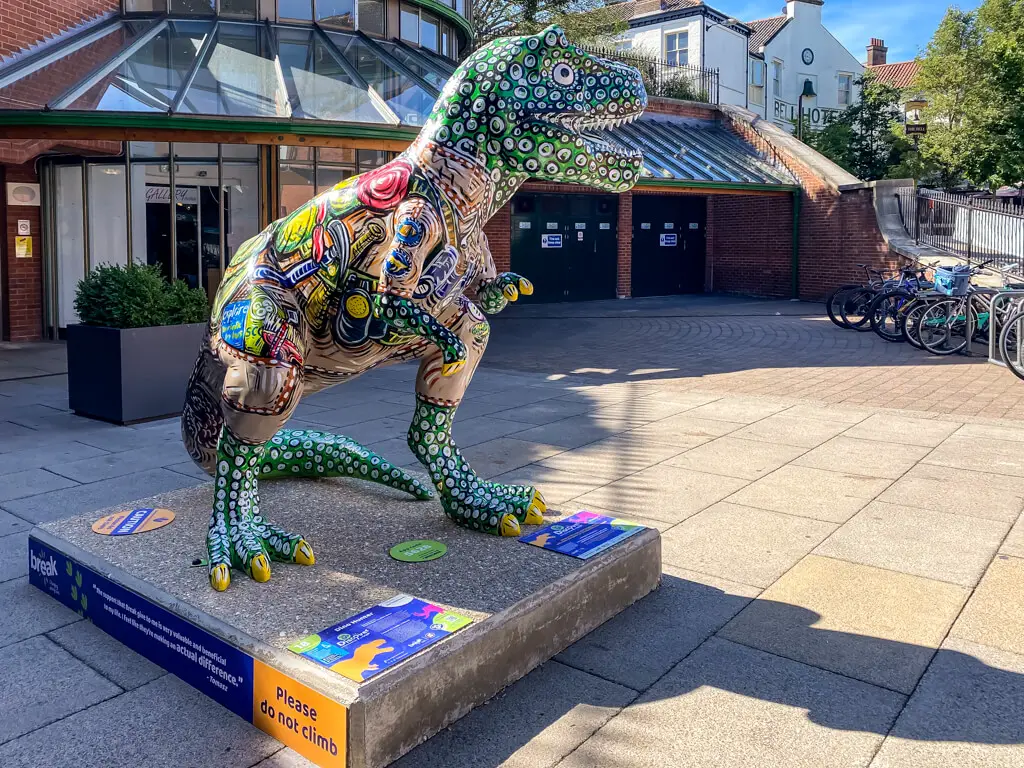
column 583, row 535
column 380, row 637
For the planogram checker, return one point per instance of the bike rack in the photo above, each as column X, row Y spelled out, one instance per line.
column 994, row 330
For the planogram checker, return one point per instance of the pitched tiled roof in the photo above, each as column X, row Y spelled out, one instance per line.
column 900, row 74
column 634, row 8
column 763, row 31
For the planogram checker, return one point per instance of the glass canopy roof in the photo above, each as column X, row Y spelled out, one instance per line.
column 224, row 68
column 284, row 72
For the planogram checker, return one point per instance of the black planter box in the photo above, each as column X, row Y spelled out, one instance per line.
column 132, row 374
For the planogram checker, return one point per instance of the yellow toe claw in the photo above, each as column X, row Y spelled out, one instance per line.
column 259, row 568
column 511, row 293
column 220, row 577
column 450, row 369
column 304, row 553
column 525, row 287
column 510, row 526
column 536, row 510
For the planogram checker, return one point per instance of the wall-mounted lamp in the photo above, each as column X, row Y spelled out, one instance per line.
column 728, row 21
column 808, row 93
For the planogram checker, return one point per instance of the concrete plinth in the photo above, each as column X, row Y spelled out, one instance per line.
column 528, row 604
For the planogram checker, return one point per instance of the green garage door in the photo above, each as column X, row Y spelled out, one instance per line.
column 566, row 245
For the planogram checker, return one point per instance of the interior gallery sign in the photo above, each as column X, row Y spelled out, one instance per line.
column 157, row 193
column 817, row 117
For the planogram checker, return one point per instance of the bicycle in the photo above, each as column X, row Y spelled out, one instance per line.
column 888, row 309
column 860, row 305
column 835, row 300
column 942, row 329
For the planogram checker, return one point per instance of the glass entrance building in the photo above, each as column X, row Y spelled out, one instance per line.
column 169, row 131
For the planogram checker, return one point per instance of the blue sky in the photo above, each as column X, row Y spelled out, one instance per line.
column 905, row 25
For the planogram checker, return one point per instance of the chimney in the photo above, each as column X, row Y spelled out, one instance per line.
column 877, row 52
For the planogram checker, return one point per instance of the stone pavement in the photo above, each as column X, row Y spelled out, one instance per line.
column 843, row 551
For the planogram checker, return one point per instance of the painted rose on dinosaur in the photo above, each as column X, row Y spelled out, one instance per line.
column 379, row 270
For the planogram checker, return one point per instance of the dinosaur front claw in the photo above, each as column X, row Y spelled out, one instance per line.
column 220, row 577
column 535, row 512
column 510, row 526
column 259, row 568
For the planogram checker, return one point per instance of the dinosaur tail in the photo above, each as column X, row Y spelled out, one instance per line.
column 201, row 418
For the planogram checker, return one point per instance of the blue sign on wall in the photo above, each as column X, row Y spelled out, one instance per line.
column 550, row 241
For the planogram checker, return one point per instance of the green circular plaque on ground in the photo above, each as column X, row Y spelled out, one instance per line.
column 419, row 551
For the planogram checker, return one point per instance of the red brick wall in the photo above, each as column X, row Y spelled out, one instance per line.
column 26, row 22
column 750, row 242
column 499, row 237
column 624, row 237
column 22, row 278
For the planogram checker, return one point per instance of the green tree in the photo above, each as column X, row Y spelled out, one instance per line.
column 584, row 21
column 863, row 139
column 949, row 79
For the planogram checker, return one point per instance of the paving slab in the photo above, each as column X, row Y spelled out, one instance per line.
column 791, row 430
column 747, row 545
column 130, row 438
column 733, row 457
column 645, row 409
column 902, row 429
column 1014, row 542
column 285, row 758
column 842, row 414
column 959, row 492
column 572, row 432
column 558, row 486
column 809, row 492
column 101, row 652
column 870, row 458
column 992, row 432
column 533, row 723
column 965, row 713
column 742, row 410
column 505, row 454
column 935, row 545
column 27, row 612
column 338, row 418
column 981, row 454
column 727, row 706
column 43, row 683
column 650, row 637
column 110, row 465
column 663, row 492
column 11, row 524
column 479, row 429
column 870, row 624
column 611, row 458
column 34, row 458
column 684, row 430
column 544, row 412
column 170, row 725
column 519, row 622
column 30, row 482
column 994, row 615
column 55, row 505
column 13, row 559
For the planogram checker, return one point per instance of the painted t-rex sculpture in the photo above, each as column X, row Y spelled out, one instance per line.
column 377, row 271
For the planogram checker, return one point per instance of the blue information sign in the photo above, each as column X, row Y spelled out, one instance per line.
column 380, row 637
column 583, row 535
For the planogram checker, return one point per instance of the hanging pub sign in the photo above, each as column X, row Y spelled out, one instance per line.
column 917, row 129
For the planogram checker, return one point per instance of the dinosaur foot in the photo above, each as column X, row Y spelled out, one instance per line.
column 249, row 545
column 495, row 508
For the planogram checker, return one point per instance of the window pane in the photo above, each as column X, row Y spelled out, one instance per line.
column 70, row 240
column 240, row 8
column 371, row 16
column 428, row 31
column 410, row 24
column 149, row 79
column 670, row 42
column 145, row 6
column 238, row 77
column 241, row 204
column 151, row 215
column 158, row 149
column 197, row 230
column 295, row 9
column 337, row 13
column 460, row 8
column 409, row 101
column 108, row 221
column 329, row 175
column 192, row 7
column 240, row 151
column 415, row 64
column 187, row 150
column 37, row 88
column 325, row 90
column 368, row 159
column 296, row 186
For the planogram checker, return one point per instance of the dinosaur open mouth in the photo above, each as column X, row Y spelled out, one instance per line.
column 595, row 131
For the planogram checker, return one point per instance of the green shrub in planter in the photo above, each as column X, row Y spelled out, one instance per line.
column 137, row 296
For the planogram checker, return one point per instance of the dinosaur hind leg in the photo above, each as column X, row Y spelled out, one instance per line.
column 309, row 453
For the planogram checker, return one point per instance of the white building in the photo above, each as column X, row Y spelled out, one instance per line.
column 763, row 65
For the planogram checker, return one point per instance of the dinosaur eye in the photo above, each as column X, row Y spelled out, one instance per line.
column 563, row 74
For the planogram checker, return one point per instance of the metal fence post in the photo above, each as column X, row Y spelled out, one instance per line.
column 917, row 219
column 970, row 227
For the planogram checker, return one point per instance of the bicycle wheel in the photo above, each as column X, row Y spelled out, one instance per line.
column 1011, row 344
column 855, row 308
column 942, row 328
column 832, row 304
column 887, row 313
column 911, row 322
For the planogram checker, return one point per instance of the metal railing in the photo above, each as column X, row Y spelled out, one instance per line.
column 670, row 81
column 973, row 228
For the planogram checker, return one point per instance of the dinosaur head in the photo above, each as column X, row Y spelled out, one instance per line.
column 529, row 106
